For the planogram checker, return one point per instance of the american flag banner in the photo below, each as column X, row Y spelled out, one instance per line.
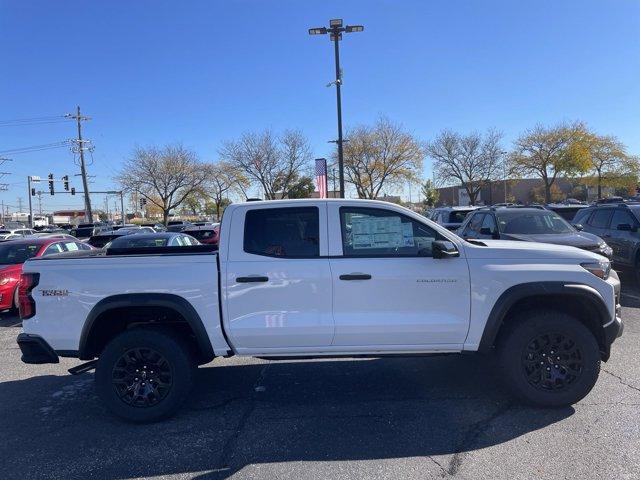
column 321, row 176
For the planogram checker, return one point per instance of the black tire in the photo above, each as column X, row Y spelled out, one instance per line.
column 545, row 379
column 14, row 303
column 127, row 382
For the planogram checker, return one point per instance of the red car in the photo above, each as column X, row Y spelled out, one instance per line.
column 206, row 234
column 15, row 252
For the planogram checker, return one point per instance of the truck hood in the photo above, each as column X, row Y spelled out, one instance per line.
column 507, row 249
column 572, row 239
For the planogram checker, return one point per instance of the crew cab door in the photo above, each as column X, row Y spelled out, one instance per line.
column 388, row 291
column 277, row 282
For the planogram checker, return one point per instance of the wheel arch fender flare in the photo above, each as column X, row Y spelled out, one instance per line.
column 536, row 289
column 166, row 300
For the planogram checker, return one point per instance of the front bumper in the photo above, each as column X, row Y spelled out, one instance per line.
column 36, row 350
column 613, row 330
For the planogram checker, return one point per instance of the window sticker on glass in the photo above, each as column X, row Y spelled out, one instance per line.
column 71, row 246
column 379, row 232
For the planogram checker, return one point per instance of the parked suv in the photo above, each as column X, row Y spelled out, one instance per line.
column 618, row 225
column 533, row 224
column 450, row 217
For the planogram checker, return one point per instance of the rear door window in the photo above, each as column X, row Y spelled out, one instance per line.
column 283, row 232
column 53, row 248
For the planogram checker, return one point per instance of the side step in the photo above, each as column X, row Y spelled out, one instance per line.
column 85, row 367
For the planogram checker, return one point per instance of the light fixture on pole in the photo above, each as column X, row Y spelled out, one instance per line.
column 335, row 30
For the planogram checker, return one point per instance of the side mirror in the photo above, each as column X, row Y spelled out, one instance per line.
column 578, row 226
column 444, row 249
column 626, row 227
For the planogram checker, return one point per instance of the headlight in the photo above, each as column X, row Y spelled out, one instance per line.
column 599, row 269
column 605, row 249
column 4, row 280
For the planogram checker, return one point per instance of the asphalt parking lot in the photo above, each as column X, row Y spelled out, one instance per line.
column 434, row 417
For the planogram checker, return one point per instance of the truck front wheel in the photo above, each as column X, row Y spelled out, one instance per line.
column 145, row 374
column 549, row 359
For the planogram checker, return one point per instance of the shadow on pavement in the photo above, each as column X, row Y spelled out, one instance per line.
column 260, row 413
column 9, row 319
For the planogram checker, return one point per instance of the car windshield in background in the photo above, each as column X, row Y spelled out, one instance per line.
column 100, row 241
column 14, row 254
column 133, row 242
column 201, row 234
column 533, row 223
column 458, row 216
column 82, row 232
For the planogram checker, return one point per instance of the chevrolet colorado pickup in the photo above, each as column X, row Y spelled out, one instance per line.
column 318, row 278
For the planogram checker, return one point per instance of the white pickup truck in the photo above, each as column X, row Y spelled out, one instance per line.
column 319, row 278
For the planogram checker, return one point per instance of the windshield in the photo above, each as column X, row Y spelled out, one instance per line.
column 541, row 222
column 14, row 254
column 458, row 216
column 133, row 242
column 201, row 234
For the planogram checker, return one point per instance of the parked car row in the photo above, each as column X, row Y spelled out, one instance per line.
column 610, row 227
column 19, row 245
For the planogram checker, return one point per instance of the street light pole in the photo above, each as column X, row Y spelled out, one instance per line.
column 336, row 39
column 30, row 205
column 336, row 29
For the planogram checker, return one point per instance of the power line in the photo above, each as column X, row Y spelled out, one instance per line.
column 33, row 119
column 25, row 124
column 35, row 148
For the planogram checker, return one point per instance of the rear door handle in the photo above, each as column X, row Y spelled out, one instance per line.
column 356, row 276
column 252, row 279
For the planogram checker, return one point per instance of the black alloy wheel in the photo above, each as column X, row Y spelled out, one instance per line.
column 552, row 361
column 142, row 377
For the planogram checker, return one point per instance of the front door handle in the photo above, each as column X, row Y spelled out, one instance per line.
column 356, row 276
column 252, row 279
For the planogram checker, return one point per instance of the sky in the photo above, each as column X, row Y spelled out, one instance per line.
column 204, row 72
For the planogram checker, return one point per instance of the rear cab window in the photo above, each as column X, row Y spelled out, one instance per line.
column 284, row 232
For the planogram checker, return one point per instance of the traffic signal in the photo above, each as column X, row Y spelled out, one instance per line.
column 143, row 202
column 65, row 180
column 51, row 189
column 33, row 192
column 73, row 190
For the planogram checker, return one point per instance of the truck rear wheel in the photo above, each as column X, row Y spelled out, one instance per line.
column 549, row 359
column 145, row 374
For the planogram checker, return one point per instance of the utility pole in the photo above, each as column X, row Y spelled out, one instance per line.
column 122, row 207
column 20, row 204
column 83, row 169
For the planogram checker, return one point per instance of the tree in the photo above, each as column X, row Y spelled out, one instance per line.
column 193, row 203
column 472, row 160
column 381, row 156
column 164, row 176
column 299, row 187
column 430, row 193
column 225, row 180
column 549, row 152
column 610, row 164
column 269, row 161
